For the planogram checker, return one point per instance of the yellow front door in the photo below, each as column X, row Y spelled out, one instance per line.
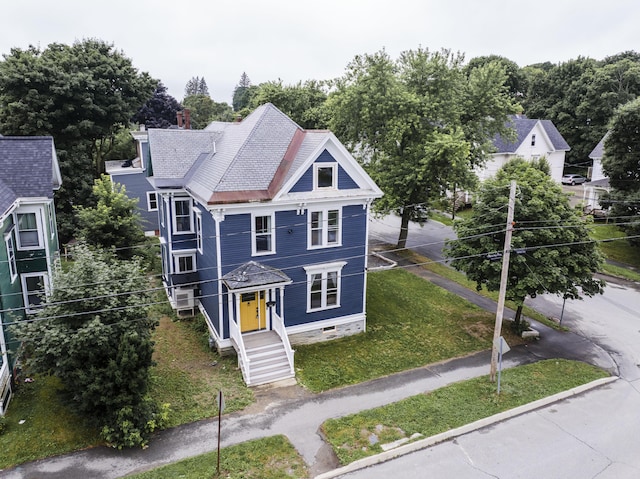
column 253, row 311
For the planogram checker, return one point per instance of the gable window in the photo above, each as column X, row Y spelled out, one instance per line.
column 34, row 287
column 28, row 233
column 263, row 233
column 184, row 262
column 533, row 140
column 152, row 201
column 324, row 228
column 324, row 175
column 198, row 230
column 182, row 215
column 323, row 286
column 10, row 244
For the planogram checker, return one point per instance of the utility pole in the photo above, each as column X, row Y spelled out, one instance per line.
column 503, row 282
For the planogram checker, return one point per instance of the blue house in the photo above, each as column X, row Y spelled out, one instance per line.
column 132, row 174
column 263, row 228
column 29, row 173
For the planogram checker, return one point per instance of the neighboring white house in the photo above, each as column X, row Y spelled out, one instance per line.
column 534, row 139
column 599, row 181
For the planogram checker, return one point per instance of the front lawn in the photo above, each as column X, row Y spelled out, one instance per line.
column 410, row 323
column 452, row 406
column 269, row 458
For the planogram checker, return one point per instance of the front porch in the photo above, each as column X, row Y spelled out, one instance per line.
column 255, row 311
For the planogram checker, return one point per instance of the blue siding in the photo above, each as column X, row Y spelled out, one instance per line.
column 292, row 255
column 208, row 272
column 305, row 183
column 137, row 187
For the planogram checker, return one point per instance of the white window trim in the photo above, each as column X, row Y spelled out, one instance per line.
column 52, row 219
column 151, row 194
column 173, row 211
column 40, row 227
column 10, row 245
column 25, row 292
column 254, row 251
column 323, row 269
column 191, row 253
column 325, row 228
column 334, row 175
column 164, row 209
column 198, row 225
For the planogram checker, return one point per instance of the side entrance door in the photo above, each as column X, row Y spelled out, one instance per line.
column 253, row 312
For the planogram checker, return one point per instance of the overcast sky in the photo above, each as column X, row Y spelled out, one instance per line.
column 297, row 40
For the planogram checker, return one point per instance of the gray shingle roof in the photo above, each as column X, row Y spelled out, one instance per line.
column 254, row 274
column 523, row 126
column 28, row 169
column 598, row 152
column 225, row 157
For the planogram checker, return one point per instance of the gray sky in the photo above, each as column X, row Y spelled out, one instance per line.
column 297, row 40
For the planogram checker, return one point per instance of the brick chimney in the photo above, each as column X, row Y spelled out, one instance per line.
column 184, row 119
column 179, row 116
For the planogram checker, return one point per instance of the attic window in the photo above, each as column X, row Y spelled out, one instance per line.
column 533, row 140
column 324, row 176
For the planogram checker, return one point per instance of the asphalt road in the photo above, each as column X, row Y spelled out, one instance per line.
column 591, row 435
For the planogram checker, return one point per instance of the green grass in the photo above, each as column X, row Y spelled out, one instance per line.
column 410, row 323
column 269, row 458
column 453, row 406
column 619, row 249
column 461, row 279
column 49, row 428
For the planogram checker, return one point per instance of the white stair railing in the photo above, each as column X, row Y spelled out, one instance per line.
column 278, row 326
column 236, row 336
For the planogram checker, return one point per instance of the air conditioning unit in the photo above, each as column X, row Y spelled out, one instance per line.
column 184, row 300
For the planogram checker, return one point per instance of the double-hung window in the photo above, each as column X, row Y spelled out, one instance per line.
column 34, row 287
column 10, row 244
column 263, row 234
column 184, row 261
column 323, row 286
column 182, row 221
column 324, row 228
column 28, row 231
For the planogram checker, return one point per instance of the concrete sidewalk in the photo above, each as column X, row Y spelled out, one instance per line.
column 298, row 414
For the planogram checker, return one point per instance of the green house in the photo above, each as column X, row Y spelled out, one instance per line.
column 29, row 173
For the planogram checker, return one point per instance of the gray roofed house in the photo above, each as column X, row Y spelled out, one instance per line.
column 29, row 174
column 253, row 208
column 533, row 139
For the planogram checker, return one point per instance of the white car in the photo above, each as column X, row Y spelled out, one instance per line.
column 573, row 179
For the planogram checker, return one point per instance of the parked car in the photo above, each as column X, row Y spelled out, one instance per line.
column 573, row 179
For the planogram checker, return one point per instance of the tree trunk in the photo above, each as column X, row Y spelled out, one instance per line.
column 404, row 229
column 517, row 319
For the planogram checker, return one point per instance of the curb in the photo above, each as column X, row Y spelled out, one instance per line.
column 459, row 431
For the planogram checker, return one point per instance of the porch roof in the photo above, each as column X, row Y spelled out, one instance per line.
column 254, row 274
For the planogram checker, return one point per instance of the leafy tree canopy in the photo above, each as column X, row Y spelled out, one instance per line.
column 557, row 255
column 242, row 93
column 114, row 223
column 159, row 111
column 419, row 124
column 94, row 334
column 621, row 163
column 302, row 102
column 516, row 79
column 204, row 110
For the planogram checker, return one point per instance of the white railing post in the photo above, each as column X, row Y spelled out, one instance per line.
column 278, row 326
column 236, row 335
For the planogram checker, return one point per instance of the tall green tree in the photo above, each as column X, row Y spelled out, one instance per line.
column 551, row 251
column 242, row 93
column 196, row 86
column 419, row 124
column 516, row 80
column 94, row 334
column 204, row 110
column 82, row 95
column 302, row 102
column 114, row 223
column 621, row 163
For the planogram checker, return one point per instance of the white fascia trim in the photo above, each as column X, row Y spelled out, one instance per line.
column 319, row 268
column 326, row 323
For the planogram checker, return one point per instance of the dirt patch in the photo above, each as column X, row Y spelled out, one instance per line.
column 479, row 330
